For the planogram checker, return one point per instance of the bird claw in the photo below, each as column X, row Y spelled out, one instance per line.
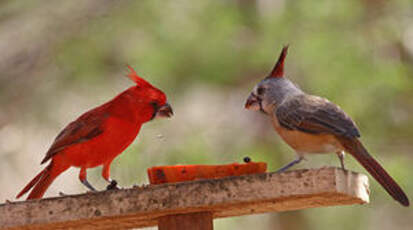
column 62, row 194
column 113, row 185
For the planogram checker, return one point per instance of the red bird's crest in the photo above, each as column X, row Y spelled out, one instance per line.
column 99, row 135
column 138, row 80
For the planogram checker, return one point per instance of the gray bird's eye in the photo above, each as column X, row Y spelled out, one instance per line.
column 260, row 90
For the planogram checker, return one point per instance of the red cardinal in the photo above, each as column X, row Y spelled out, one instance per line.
column 311, row 124
column 101, row 134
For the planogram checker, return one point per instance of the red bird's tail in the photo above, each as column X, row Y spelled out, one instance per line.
column 41, row 182
column 357, row 150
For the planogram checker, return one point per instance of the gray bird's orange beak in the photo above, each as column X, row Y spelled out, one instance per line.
column 253, row 103
column 164, row 111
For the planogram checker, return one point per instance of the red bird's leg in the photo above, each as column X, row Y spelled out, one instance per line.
column 82, row 177
column 289, row 165
column 106, row 174
column 341, row 158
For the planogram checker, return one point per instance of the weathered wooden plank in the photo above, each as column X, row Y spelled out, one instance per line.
column 191, row 221
column 232, row 196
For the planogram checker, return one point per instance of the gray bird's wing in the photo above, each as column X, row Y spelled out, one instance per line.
column 315, row 115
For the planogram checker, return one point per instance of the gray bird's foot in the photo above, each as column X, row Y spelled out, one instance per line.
column 289, row 165
column 341, row 155
column 62, row 194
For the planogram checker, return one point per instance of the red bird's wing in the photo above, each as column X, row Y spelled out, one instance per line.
column 86, row 127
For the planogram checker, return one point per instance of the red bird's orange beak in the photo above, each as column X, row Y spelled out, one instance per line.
column 164, row 111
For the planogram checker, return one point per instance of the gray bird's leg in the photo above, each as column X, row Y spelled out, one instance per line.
column 340, row 155
column 289, row 165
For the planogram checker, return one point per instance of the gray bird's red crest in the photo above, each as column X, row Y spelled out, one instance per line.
column 278, row 70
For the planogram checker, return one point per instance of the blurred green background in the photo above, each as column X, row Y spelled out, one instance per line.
column 61, row 58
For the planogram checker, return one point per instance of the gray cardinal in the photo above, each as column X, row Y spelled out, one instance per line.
column 311, row 124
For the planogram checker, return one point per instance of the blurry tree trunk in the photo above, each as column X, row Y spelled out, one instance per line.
column 27, row 41
column 373, row 8
column 249, row 12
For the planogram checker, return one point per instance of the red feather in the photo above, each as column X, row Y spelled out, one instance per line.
column 278, row 70
column 138, row 80
column 99, row 135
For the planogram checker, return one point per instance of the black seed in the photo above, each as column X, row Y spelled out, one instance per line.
column 247, row 159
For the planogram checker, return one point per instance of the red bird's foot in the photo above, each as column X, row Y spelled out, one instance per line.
column 113, row 185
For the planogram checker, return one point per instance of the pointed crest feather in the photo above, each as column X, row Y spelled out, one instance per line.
column 135, row 77
column 278, row 70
